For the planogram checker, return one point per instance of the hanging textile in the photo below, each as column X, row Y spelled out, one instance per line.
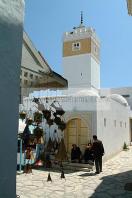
column 61, row 154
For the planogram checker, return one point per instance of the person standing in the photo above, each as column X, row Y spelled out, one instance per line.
column 98, row 152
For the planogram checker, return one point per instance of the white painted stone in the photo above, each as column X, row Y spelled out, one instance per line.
column 11, row 32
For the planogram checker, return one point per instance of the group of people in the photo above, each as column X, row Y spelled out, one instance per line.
column 92, row 154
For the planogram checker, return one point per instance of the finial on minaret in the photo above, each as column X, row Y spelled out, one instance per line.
column 81, row 23
column 81, row 17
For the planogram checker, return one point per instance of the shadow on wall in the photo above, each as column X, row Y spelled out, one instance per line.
column 113, row 186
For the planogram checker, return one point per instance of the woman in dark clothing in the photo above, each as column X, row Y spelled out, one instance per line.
column 75, row 153
column 88, row 154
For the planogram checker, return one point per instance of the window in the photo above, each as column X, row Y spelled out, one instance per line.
column 105, row 122
column 25, row 82
column 25, row 74
column 126, row 96
column 76, row 46
column 120, row 123
column 31, row 83
column 31, row 76
column 36, row 77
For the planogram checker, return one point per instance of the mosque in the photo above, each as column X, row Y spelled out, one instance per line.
column 89, row 110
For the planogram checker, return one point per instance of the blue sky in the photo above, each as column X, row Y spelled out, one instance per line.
column 46, row 20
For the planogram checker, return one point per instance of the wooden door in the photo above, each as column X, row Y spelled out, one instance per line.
column 77, row 133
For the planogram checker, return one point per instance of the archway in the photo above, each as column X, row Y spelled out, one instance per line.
column 76, row 133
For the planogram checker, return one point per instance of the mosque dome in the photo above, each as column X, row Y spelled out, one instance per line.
column 119, row 99
column 86, row 92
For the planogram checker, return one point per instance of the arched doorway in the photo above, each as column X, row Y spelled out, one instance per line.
column 77, row 133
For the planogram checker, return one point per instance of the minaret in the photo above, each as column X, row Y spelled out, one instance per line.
column 81, row 57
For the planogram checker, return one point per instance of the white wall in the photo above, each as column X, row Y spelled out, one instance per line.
column 77, row 70
column 124, row 91
column 81, row 71
column 93, row 110
column 75, row 107
column 11, row 30
column 113, row 137
column 68, row 103
column 95, row 73
column 29, row 60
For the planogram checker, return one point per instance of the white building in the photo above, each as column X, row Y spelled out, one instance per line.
column 81, row 55
column 88, row 111
column 129, row 6
column 35, row 71
column 126, row 92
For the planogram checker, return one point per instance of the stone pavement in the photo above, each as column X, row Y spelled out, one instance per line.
column 108, row 184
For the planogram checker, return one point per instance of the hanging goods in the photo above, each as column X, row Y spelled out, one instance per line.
column 38, row 133
column 61, row 154
column 39, row 163
column 46, row 114
column 41, row 107
column 59, row 109
column 38, row 117
column 29, row 121
column 22, row 115
column 55, row 145
column 25, row 135
column 50, row 122
column 49, row 145
column 28, row 156
column 62, row 175
column 36, row 100
column 62, row 126
column 28, row 168
column 28, row 153
column 57, row 119
column 49, row 178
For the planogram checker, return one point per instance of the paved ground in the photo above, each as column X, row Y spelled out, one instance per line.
column 109, row 184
